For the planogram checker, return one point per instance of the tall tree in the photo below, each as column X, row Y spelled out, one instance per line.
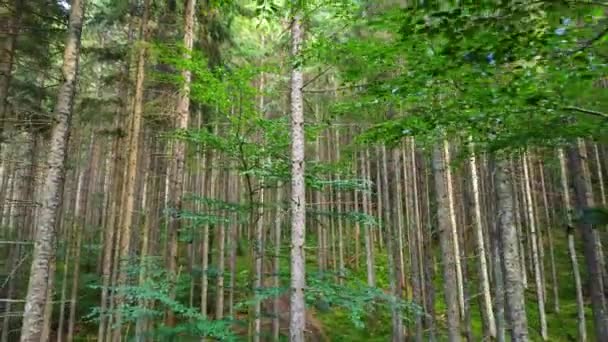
column 176, row 185
column 44, row 247
column 130, row 172
column 513, row 283
column 447, row 242
column 297, row 321
column 589, row 245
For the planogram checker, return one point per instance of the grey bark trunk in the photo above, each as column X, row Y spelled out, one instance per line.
column 589, row 245
column 487, row 312
column 513, row 283
column 580, row 304
column 446, row 241
column 298, row 195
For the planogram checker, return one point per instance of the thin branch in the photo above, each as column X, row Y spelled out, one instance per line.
column 317, row 76
column 336, row 89
column 588, row 111
column 591, row 41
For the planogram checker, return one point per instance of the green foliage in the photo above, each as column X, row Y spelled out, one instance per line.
column 504, row 73
column 355, row 297
column 594, row 216
column 150, row 298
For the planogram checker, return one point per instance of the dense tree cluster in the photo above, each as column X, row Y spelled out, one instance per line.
column 303, row 170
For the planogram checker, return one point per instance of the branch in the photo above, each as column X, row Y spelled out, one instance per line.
column 588, row 111
column 336, row 89
column 591, row 41
column 317, row 76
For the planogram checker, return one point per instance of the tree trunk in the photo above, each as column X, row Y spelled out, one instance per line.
column 454, row 228
column 129, row 190
column 258, row 254
column 415, row 240
column 9, row 27
column 589, row 245
column 451, row 288
column 389, row 221
column 513, row 284
column 298, row 191
column 536, row 260
column 367, row 209
column 580, row 304
column 487, row 313
column 276, row 324
column 176, row 183
column 549, row 227
column 44, row 247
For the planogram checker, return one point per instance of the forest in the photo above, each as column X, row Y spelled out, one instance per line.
column 303, row 170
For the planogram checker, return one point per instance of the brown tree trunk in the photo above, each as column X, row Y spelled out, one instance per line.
column 44, row 247
column 129, row 190
column 447, row 242
column 10, row 17
column 176, row 182
column 580, row 304
column 589, row 245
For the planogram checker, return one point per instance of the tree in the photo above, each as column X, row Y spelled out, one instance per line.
column 298, row 195
column 513, row 284
column 179, row 149
column 44, row 248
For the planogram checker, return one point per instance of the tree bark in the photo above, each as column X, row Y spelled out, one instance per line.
column 580, row 304
column 44, row 247
column 513, row 284
column 451, row 288
column 176, row 183
column 298, row 194
column 9, row 26
column 589, row 245
column 487, row 313
column 536, row 260
column 129, row 189
column 367, row 209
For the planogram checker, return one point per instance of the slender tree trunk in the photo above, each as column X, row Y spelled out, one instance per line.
column 584, row 156
column 131, row 170
column 549, row 225
column 147, row 201
column 513, row 284
column 233, row 247
column 454, row 228
column 221, row 259
column 580, row 304
column 535, row 247
column 451, row 292
column 589, row 245
column 9, row 27
column 258, row 255
column 388, row 224
column 367, row 204
column 487, row 313
column 415, row 240
column 176, row 183
column 298, row 194
column 44, row 247
column 276, row 323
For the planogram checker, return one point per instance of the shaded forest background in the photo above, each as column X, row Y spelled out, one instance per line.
column 303, row 170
